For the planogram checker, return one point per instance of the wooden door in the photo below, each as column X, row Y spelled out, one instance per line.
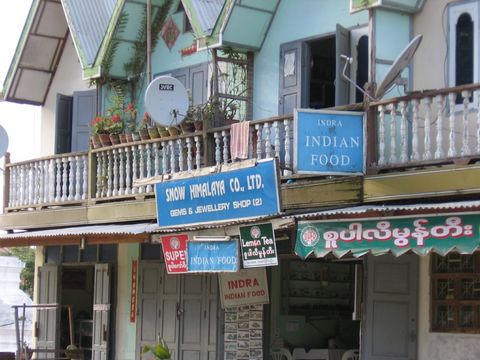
column 342, row 47
column 48, row 320
column 390, row 325
column 84, row 110
column 101, row 312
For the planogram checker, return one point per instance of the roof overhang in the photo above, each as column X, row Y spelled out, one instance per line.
column 37, row 55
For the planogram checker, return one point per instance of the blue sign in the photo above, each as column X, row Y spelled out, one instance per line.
column 238, row 194
column 329, row 142
column 212, row 256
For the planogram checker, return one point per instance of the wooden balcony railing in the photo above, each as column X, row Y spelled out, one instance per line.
column 424, row 128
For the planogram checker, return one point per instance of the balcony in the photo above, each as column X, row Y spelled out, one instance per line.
column 421, row 130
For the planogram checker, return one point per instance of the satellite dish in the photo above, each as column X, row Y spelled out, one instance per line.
column 3, row 141
column 166, row 100
column 398, row 65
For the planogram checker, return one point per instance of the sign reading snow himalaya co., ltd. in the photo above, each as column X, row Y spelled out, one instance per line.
column 246, row 192
column 329, row 142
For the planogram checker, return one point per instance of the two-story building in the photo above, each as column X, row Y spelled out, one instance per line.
column 394, row 271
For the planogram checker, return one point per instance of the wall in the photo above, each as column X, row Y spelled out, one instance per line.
column 125, row 330
column 294, row 20
column 431, row 22
column 440, row 346
column 68, row 79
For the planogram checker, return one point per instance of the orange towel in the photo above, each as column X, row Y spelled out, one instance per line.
column 239, row 140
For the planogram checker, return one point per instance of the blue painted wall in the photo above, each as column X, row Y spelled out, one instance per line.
column 294, row 20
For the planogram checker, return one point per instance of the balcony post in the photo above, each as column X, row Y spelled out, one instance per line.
column 371, row 130
column 6, row 181
column 92, row 175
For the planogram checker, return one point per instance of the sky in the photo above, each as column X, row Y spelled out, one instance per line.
column 22, row 122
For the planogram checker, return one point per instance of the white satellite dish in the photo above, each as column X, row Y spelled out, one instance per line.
column 397, row 67
column 3, row 141
column 166, row 100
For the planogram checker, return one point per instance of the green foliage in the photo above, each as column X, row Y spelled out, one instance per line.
column 159, row 350
column 27, row 255
column 112, row 49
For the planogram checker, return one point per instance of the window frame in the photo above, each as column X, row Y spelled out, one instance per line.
column 456, row 302
column 454, row 12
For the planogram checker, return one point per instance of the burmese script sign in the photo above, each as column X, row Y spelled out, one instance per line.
column 397, row 235
column 212, row 256
column 245, row 287
column 243, row 193
column 175, row 253
column 328, row 142
column 258, row 245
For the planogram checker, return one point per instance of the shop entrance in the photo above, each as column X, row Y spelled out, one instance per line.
column 86, row 289
column 180, row 309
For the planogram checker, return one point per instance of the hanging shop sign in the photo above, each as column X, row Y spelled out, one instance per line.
column 133, row 291
column 396, row 235
column 232, row 195
column 329, row 142
column 245, row 287
column 175, row 253
column 212, row 256
column 258, row 245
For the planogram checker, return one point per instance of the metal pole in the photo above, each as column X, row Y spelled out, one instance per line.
column 149, row 40
column 17, row 332
column 23, row 328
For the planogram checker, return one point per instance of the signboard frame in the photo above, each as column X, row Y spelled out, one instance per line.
column 213, row 244
column 259, row 273
column 264, row 228
column 268, row 167
column 322, row 113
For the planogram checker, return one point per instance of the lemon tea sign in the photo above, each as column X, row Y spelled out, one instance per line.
column 258, row 245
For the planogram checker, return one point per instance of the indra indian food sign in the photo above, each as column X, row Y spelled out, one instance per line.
column 329, row 142
column 397, row 235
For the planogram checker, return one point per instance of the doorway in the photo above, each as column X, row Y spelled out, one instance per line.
column 180, row 309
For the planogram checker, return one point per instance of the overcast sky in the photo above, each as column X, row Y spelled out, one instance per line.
column 20, row 121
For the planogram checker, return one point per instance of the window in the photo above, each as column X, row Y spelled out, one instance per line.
column 463, row 44
column 455, row 293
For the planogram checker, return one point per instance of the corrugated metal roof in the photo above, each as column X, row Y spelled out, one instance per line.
column 457, row 205
column 207, row 12
column 89, row 20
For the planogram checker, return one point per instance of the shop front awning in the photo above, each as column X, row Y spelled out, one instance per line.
column 126, row 233
column 395, row 229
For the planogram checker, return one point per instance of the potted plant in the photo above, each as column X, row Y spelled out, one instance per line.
column 130, row 123
column 100, row 136
column 159, row 350
column 187, row 124
column 115, row 128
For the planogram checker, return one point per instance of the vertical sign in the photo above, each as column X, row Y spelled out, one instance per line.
column 175, row 253
column 258, row 245
column 133, row 291
column 212, row 256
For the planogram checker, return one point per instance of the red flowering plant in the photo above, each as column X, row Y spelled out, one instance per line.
column 115, row 124
column 131, row 120
column 100, row 125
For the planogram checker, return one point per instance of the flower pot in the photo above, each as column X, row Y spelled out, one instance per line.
column 153, row 132
column 135, row 136
column 105, row 139
column 144, row 134
column 115, row 139
column 198, row 125
column 187, row 127
column 95, row 139
column 163, row 131
column 124, row 138
column 173, row 130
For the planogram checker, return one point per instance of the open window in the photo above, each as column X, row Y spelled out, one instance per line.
column 311, row 70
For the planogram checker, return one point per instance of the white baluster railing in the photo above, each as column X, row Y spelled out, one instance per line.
column 433, row 127
column 50, row 181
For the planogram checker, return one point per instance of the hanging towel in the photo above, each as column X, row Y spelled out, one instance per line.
column 239, row 140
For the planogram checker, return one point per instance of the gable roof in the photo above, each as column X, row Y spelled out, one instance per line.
column 88, row 21
column 37, row 55
column 236, row 23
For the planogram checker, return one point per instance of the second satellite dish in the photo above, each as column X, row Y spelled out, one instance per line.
column 166, row 100
column 3, row 141
column 398, row 65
